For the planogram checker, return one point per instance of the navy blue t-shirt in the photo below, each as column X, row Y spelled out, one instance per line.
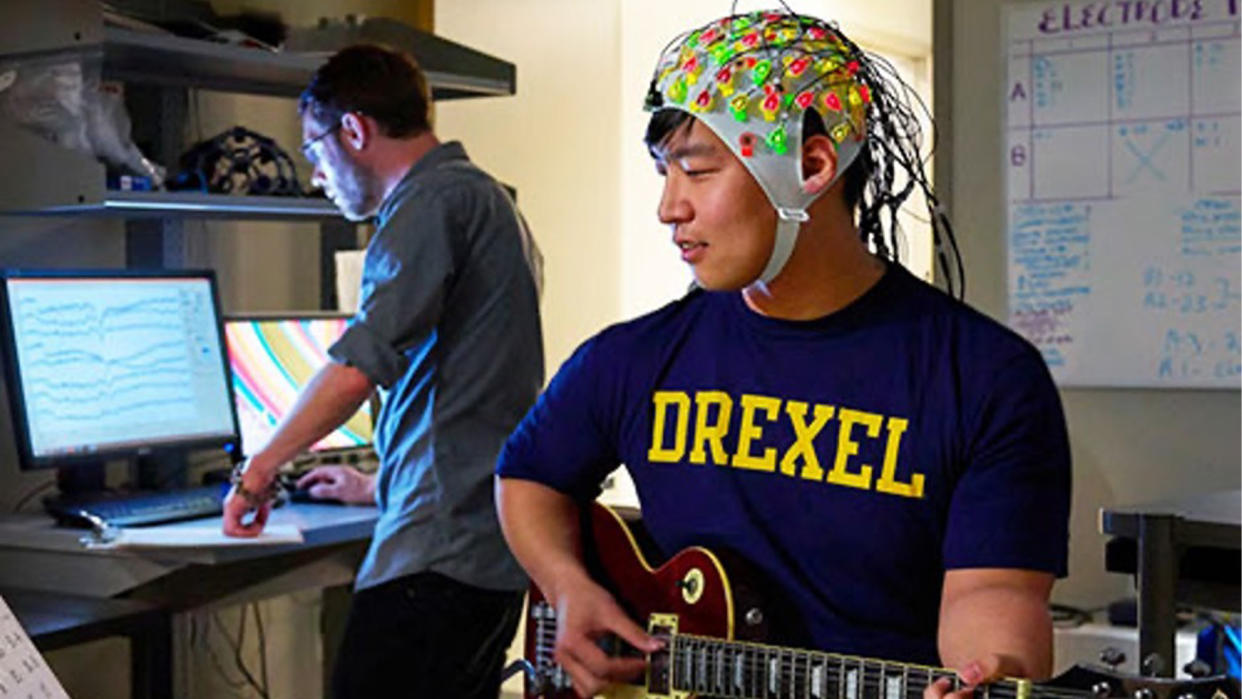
column 852, row 459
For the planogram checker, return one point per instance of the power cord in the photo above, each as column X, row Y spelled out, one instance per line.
column 29, row 494
column 237, row 645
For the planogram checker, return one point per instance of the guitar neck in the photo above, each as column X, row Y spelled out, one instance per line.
column 699, row 664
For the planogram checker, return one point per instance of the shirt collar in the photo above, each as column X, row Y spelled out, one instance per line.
column 443, row 153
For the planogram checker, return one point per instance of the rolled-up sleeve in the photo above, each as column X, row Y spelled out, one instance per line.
column 406, row 270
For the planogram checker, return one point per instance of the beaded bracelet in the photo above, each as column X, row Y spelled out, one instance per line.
column 253, row 499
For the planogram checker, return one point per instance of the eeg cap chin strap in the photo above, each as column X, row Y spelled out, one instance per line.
column 750, row 79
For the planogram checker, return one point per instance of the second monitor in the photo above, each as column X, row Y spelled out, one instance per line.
column 273, row 357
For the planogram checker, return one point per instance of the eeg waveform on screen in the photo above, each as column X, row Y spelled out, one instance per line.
column 91, row 363
column 108, row 362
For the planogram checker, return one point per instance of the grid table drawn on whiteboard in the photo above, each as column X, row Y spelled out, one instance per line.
column 1123, row 175
column 24, row 673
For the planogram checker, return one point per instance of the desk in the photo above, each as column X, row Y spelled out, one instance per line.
column 56, row 621
column 35, row 554
column 1166, row 535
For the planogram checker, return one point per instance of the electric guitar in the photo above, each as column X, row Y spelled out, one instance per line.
column 713, row 622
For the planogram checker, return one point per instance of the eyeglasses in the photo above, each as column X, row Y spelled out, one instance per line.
column 308, row 151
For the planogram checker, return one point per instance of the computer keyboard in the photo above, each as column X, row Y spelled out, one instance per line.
column 134, row 509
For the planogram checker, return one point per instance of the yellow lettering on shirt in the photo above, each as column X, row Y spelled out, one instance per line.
column 711, row 434
column 749, row 431
column 847, row 447
column 888, row 482
column 663, row 400
column 803, row 434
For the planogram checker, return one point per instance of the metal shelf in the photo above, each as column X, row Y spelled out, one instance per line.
column 161, row 59
column 453, row 71
column 196, row 205
column 170, row 60
column 64, row 182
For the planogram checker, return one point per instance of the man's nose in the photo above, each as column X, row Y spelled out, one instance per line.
column 674, row 208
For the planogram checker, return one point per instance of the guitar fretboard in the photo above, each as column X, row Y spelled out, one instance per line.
column 740, row 670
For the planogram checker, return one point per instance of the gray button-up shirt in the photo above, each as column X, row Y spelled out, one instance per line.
column 448, row 326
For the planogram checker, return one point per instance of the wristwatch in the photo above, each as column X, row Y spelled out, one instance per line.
column 254, row 499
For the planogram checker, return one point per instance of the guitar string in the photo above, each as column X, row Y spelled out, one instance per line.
column 704, row 671
column 756, row 669
column 788, row 674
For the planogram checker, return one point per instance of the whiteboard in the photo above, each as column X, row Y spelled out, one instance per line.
column 1123, row 168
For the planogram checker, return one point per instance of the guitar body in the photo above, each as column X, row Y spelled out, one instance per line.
column 723, row 637
column 697, row 591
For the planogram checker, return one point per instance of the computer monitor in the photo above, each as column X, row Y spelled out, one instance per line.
column 273, row 357
column 111, row 364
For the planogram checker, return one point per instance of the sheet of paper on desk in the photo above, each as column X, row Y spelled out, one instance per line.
column 24, row 673
column 180, row 536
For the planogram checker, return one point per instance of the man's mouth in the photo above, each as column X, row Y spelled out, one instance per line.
column 691, row 250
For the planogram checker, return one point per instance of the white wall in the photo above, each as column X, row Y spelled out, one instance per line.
column 555, row 141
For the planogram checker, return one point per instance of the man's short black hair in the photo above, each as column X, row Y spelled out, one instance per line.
column 386, row 85
column 664, row 123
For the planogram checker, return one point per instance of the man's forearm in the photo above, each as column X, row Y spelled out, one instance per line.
column 1010, row 622
column 541, row 527
column 331, row 397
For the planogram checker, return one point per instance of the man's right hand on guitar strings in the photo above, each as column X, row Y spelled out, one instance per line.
column 585, row 613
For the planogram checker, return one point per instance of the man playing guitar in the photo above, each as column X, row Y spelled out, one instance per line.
column 894, row 462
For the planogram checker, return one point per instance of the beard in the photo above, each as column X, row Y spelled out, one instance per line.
column 357, row 191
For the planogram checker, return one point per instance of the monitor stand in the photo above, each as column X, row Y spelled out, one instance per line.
column 81, row 479
column 160, row 472
column 149, row 472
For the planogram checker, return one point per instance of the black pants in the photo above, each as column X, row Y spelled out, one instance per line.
column 425, row 635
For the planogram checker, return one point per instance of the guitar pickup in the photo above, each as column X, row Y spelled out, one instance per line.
column 659, row 666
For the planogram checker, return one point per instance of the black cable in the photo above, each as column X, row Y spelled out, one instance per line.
column 234, row 684
column 1067, row 616
column 25, row 498
column 258, row 621
column 237, row 647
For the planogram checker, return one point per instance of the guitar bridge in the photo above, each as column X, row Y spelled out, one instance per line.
column 546, row 675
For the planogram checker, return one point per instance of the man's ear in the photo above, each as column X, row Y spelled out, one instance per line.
column 357, row 131
column 819, row 164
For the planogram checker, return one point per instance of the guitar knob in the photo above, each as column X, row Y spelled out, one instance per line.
column 1197, row 669
column 1101, row 690
column 692, row 585
column 754, row 616
column 1112, row 657
column 1143, row 693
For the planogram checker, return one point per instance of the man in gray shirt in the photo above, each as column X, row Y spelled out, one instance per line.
column 448, row 327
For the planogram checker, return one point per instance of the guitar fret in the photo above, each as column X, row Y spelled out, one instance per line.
column 894, row 687
column 687, row 666
column 819, row 678
column 811, row 690
column 736, row 678
column 801, row 678
column 701, row 676
column 769, row 672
